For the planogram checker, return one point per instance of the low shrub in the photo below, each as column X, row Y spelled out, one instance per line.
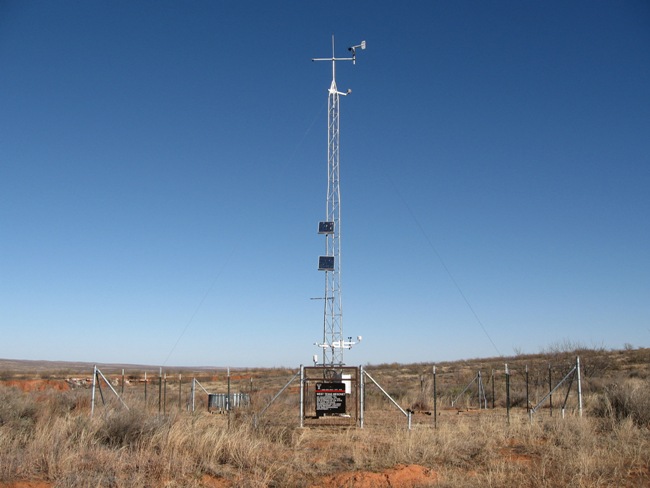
column 631, row 399
column 129, row 428
column 18, row 411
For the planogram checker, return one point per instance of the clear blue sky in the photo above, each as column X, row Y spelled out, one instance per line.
column 163, row 170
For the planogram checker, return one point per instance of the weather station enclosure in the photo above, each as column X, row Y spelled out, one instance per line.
column 329, row 396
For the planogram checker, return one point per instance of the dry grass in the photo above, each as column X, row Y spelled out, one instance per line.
column 49, row 435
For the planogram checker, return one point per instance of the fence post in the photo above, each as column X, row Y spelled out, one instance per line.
column 160, row 392
column 92, row 399
column 193, row 390
column 228, row 399
column 507, row 394
column 180, row 396
column 302, row 396
column 579, row 387
column 362, row 394
column 145, row 390
column 550, row 389
column 492, row 388
column 435, row 400
column 527, row 395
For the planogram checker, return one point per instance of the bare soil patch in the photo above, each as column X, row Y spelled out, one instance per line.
column 403, row 476
column 36, row 385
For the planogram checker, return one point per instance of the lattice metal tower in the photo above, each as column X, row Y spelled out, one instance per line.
column 333, row 342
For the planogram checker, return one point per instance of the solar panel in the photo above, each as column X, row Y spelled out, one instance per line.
column 326, row 227
column 325, row 263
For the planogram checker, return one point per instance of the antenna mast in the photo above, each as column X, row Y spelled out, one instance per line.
column 333, row 342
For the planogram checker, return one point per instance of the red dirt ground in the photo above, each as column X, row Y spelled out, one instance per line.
column 212, row 482
column 402, row 476
column 37, row 385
